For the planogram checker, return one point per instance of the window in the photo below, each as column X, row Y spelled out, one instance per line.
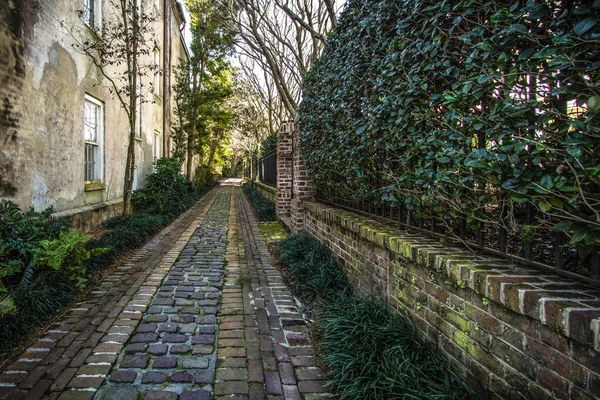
column 93, row 135
column 92, row 13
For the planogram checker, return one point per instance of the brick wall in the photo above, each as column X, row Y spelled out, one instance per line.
column 284, row 171
column 523, row 333
column 268, row 191
column 302, row 183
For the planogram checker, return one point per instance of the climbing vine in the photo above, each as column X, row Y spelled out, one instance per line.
column 466, row 109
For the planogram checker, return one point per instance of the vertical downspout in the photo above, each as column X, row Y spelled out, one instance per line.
column 166, row 75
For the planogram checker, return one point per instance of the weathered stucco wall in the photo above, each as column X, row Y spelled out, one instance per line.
column 43, row 83
column 523, row 333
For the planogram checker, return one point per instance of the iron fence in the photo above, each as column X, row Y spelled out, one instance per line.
column 267, row 169
column 546, row 250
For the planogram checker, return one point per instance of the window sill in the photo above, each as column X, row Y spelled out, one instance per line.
column 91, row 187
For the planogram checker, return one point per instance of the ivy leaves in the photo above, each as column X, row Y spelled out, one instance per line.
column 467, row 107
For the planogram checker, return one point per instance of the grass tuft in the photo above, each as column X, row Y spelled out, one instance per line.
column 373, row 352
column 313, row 271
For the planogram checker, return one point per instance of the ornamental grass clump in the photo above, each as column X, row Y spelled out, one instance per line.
column 372, row 351
column 265, row 209
column 369, row 350
column 313, row 272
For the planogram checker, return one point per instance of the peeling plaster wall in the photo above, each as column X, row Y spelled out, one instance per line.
column 43, row 82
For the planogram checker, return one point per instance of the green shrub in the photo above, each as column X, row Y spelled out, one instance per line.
column 20, row 236
column 204, row 176
column 38, row 303
column 125, row 233
column 372, row 351
column 313, row 271
column 43, row 262
column 67, row 253
column 265, row 209
column 163, row 190
column 464, row 108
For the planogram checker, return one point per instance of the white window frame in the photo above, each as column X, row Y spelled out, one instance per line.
column 96, row 14
column 99, row 143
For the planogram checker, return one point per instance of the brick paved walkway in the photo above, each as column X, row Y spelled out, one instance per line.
column 149, row 330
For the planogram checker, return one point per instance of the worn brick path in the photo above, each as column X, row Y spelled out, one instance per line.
column 149, row 330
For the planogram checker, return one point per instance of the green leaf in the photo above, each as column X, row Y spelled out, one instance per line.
column 547, row 182
column 525, row 54
column 575, row 151
column 593, row 103
column 485, row 78
column 577, row 237
column 518, row 198
column 556, row 203
column 563, row 225
column 544, row 206
column 584, row 26
column 544, row 53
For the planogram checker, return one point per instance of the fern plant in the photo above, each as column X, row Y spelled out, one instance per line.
column 7, row 306
column 20, row 234
column 68, row 253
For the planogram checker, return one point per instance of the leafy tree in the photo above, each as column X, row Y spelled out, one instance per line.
column 118, row 52
column 203, row 84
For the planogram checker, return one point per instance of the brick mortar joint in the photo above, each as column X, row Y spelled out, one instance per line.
column 488, row 276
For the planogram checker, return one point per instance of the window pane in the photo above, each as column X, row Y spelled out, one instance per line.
column 88, row 12
column 91, row 122
column 90, row 162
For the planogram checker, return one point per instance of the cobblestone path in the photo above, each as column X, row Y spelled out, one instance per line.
column 197, row 313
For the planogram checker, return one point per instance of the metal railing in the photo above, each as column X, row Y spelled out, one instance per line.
column 548, row 250
column 267, row 169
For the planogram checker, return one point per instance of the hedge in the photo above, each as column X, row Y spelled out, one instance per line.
column 464, row 109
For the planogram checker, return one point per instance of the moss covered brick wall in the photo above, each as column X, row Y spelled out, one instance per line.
column 522, row 333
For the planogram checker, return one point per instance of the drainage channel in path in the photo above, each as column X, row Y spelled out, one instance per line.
column 172, row 352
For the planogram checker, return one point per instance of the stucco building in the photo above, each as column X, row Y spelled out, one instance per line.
column 63, row 137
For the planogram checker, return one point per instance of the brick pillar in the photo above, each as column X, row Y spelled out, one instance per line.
column 283, row 197
column 302, row 184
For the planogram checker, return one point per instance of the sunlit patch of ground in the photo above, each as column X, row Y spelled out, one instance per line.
column 272, row 231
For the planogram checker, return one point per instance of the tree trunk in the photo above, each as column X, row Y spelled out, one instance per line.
column 132, row 55
column 234, row 164
column 189, row 169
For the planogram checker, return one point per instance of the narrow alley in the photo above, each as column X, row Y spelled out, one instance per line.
column 199, row 312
